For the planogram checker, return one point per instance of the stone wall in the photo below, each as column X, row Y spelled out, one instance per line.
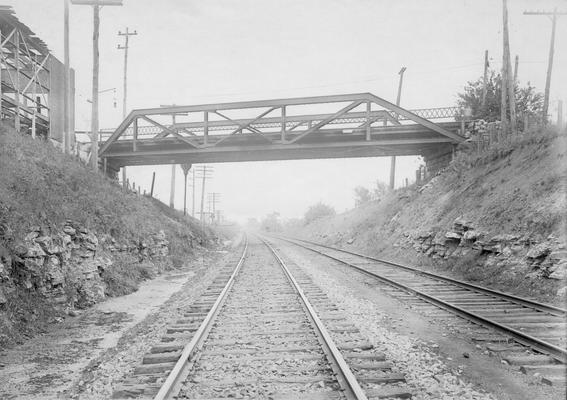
column 65, row 266
column 519, row 254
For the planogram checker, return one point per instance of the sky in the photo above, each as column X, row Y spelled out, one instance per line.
column 197, row 52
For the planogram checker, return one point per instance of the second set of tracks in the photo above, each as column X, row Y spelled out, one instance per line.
column 539, row 327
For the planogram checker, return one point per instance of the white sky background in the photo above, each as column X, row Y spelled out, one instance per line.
column 195, row 52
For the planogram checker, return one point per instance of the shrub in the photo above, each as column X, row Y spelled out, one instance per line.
column 318, row 211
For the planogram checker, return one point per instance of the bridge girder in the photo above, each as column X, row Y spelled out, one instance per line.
column 292, row 134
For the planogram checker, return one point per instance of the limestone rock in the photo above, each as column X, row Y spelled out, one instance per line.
column 559, row 271
column 453, row 236
column 472, row 235
column 539, row 251
column 69, row 230
column 34, row 250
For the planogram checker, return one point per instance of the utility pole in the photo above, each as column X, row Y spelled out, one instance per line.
column 213, row 199
column 485, row 79
column 172, row 188
column 193, row 195
column 393, row 158
column 507, row 85
column 126, row 35
column 516, row 69
column 553, row 13
column 185, row 168
column 205, row 172
column 96, row 4
column 66, row 82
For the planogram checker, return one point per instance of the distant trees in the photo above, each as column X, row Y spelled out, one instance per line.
column 318, row 211
column 361, row 195
column 364, row 195
column 528, row 101
column 271, row 222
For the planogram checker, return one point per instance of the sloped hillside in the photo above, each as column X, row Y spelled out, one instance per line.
column 497, row 218
column 70, row 237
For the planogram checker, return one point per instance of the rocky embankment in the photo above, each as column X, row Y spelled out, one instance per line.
column 69, row 269
column 496, row 218
column 522, row 256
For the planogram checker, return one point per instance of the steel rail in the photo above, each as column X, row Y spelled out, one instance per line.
column 179, row 371
column 541, row 346
column 548, row 308
column 347, row 379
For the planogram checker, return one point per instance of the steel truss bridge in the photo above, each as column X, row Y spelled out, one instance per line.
column 340, row 126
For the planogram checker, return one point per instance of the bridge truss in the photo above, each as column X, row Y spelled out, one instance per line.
column 353, row 125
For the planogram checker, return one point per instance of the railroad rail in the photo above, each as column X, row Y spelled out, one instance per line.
column 268, row 332
column 541, row 327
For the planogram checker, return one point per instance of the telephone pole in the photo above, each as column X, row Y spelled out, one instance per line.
column 96, row 4
column 204, row 172
column 393, row 158
column 485, row 79
column 126, row 35
column 185, row 168
column 172, row 188
column 214, row 199
column 507, row 85
column 66, row 82
column 554, row 15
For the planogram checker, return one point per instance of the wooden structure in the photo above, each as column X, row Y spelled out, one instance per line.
column 32, row 81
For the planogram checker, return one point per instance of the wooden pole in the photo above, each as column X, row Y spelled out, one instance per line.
column 516, row 69
column 94, row 116
column 17, row 91
column 393, row 158
column 504, row 78
column 508, row 67
column 203, row 193
column 485, row 80
column 172, row 189
column 554, row 15
column 549, row 69
column 66, row 82
column 193, row 195
column 153, row 182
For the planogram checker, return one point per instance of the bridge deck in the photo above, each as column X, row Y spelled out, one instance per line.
column 291, row 134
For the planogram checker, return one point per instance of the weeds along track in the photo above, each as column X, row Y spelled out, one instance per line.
column 541, row 328
column 264, row 331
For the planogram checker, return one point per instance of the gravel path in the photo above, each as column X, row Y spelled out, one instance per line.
column 84, row 356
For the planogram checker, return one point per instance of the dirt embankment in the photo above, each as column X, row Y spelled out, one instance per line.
column 496, row 218
column 70, row 237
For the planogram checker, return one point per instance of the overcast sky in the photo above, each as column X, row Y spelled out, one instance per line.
column 195, row 52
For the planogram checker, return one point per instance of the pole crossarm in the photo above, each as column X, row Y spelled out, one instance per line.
column 202, row 126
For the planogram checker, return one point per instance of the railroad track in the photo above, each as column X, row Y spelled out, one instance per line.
column 538, row 326
column 268, row 332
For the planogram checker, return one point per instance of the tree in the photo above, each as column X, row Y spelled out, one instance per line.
column 361, row 195
column 318, row 211
column 529, row 102
column 380, row 191
column 271, row 222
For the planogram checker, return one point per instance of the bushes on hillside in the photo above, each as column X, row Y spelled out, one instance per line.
column 318, row 211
